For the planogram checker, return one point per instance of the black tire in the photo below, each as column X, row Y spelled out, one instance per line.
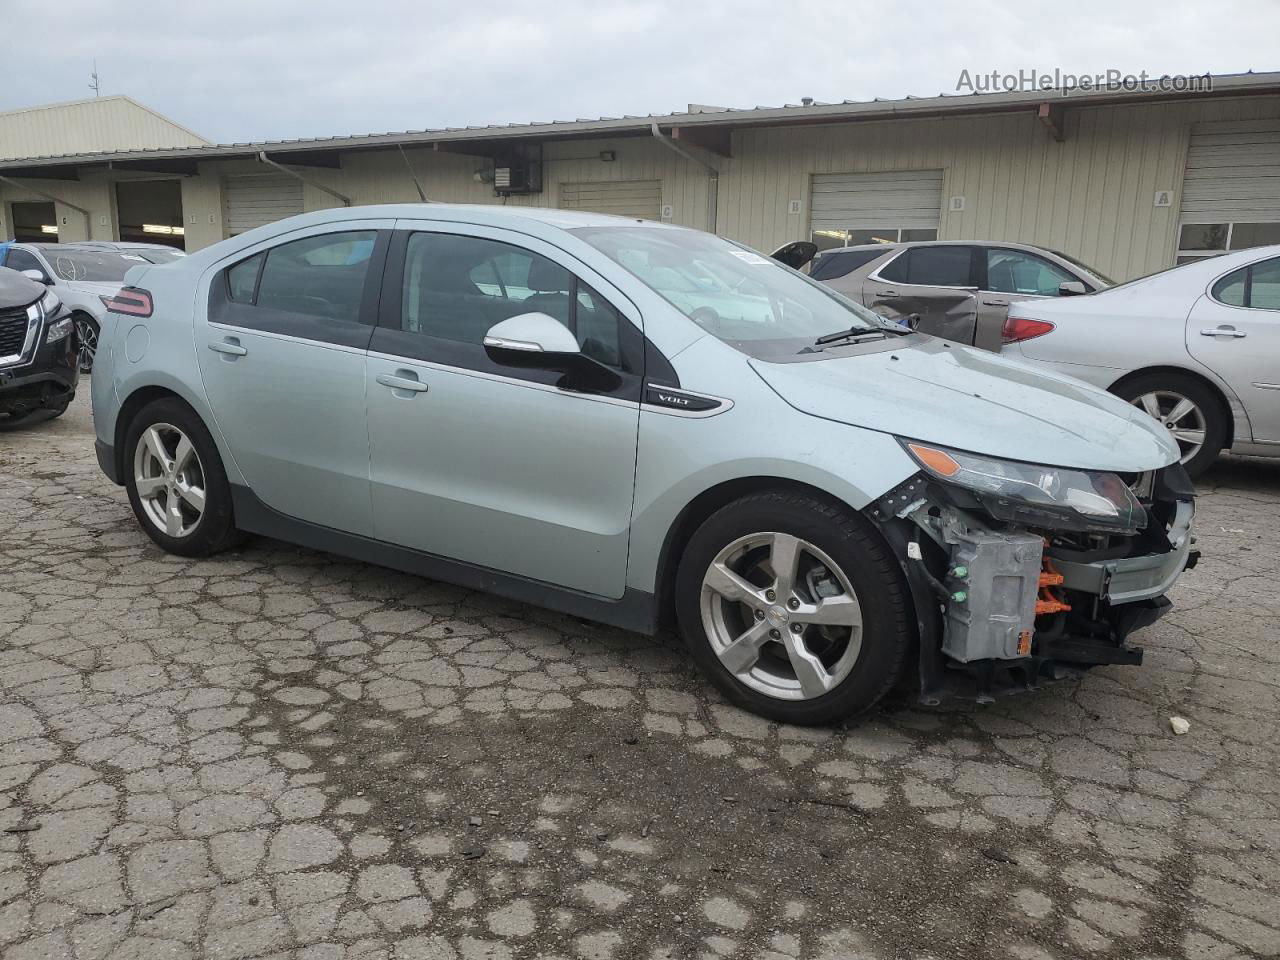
column 1205, row 398
column 857, row 549
column 215, row 530
column 87, row 331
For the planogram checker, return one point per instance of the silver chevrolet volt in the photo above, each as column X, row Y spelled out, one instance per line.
column 641, row 424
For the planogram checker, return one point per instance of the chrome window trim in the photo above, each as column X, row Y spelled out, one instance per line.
column 27, row 353
column 498, row 378
column 287, row 338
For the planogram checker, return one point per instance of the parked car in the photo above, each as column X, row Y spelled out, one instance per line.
column 38, row 350
column 532, row 403
column 84, row 276
column 1197, row 347
column 957, row 290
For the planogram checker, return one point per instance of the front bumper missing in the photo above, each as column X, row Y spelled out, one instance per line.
column 969, row 656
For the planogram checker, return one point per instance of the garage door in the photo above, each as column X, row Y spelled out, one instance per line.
column 1231, row 192
column 866, row 207
column 638, row 199
column 253, row 201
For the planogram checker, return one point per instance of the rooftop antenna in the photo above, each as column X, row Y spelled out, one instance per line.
column 93, row 79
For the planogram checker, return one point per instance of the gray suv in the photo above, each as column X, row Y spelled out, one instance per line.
column 958, row 290
column 638, row 423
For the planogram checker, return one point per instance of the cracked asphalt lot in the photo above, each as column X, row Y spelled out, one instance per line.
column 279, row 753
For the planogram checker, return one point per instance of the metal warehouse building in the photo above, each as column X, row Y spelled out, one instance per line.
column 1127, row 181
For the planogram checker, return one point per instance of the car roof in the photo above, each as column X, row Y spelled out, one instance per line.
column 902, row 245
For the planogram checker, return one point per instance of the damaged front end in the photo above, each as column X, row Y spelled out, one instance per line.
column 1024, row 573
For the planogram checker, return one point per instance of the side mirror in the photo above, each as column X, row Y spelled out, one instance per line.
column 796, row 253
column 532, row 340
column 38, row 276
column 1072, row 288
column 536, row 341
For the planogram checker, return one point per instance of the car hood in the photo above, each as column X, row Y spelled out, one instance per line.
column 967, row 399
column 17, row 290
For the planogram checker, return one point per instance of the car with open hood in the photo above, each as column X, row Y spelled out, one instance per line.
column 643, row 424
column 38, row 351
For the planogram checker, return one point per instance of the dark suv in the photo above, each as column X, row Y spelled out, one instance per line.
column 39, row 350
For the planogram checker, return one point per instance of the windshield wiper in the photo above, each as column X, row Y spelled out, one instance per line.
column 858, row 333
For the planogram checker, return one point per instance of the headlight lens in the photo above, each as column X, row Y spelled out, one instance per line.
column 1025, row 493
column 49, row 304
column 59, row 330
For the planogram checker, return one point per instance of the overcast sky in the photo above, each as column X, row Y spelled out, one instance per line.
column 235, row 70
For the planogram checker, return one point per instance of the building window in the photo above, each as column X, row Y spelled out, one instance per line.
column 1199, row 240
column 857, row 236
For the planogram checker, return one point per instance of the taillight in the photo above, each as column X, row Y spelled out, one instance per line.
column 1017, row 329
column 132, row 301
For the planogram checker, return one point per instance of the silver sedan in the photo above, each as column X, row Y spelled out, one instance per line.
column 1197, row 347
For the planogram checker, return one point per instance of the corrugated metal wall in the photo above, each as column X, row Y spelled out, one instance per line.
column 1092, row 195
column 106, row 123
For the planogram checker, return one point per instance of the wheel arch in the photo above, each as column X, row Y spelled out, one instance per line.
column 702, row 506
column 145, row 394
column 1227, row 409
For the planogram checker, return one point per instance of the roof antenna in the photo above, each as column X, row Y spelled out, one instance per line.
column 422, row 195
column 93, row 79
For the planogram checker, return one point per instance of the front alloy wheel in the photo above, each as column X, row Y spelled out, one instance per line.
column 794, row 606
column 169, row 479
column 781, row 616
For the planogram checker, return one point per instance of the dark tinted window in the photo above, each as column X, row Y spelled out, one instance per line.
column 895, row 271
column 318, row 276
column 242, row 279
column 939, row 266
column 1231, row 288
column 832, row 265
column 456, row 288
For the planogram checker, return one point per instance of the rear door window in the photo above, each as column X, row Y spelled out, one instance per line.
column 317, row 288
column 942, row 266
column 833, row 265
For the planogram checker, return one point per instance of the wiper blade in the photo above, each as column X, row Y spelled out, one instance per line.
column 853, row 333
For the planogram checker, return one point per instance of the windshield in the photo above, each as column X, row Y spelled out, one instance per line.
column 100, row 266
column 733, row 293
column 1106, row 281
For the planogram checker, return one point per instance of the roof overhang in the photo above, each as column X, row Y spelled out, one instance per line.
column 710, row 130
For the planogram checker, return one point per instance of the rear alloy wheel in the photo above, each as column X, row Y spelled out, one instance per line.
column 87, row 333
column 1186, row 408
column 176, row 483
column 793, row 607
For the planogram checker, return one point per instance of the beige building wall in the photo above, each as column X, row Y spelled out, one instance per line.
column 1091, row 195
column 89, row 126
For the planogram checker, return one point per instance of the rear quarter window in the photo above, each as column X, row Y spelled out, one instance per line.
column 830, row 266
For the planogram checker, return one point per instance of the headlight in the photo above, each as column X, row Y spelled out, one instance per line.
column 49, row 304
column 59, row 330
column 1031, row 495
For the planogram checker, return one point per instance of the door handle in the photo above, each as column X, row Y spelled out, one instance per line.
column 230, row 347
column 995, row 303
column 888, row 293
column 397, row 382
column 1223, row 331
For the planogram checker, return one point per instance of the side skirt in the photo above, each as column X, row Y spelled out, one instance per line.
column 637, row 610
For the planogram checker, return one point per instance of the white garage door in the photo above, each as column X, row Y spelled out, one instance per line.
column 638, row 199
column 866, row 207
column 258, row 199
column 1231, row 192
